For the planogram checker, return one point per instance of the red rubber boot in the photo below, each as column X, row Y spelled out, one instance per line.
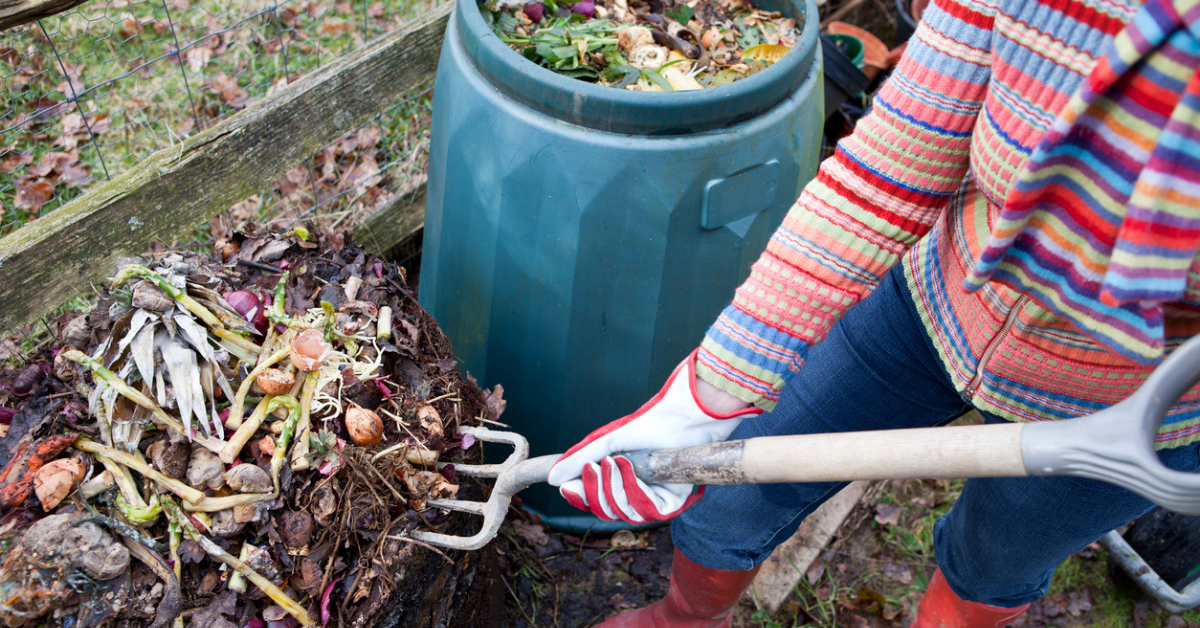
column 699, row 597
column 942, row 608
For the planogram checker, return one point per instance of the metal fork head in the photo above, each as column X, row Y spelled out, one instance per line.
column 512, row 476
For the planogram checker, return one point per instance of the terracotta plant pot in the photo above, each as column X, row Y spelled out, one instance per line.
column 875, row 53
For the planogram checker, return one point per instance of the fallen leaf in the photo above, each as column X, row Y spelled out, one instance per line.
column 495, row 402
column 901, row 573
column 1140, row 610
column 198, row 57
column 1080, row 602
column 858, row 621
column 190, row 552
column 873, row 600
column 337, row 29
column 35, row 195
column 214, row 614
column 71, row 88
column 815, row 571
column 1054, row 605
column 55, row 480
column 887, row 514
column 532, row 533
column 129, row 29
column 226, row 87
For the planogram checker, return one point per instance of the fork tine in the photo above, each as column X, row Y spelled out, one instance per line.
column 477, row 508
column 480, row 470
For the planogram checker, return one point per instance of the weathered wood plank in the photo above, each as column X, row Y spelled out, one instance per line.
column 47, row 261
column 387, row 228
column 789, row 562
column 18, row 12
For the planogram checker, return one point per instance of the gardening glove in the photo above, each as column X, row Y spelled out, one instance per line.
column 592, row 479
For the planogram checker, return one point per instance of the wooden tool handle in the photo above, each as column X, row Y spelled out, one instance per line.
column 943, row 452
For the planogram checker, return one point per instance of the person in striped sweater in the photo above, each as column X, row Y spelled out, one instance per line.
column 1013, row 228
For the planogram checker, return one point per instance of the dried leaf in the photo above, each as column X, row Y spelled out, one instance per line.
column 534, row 534
column 182, row 369
column 887, row 514
column 815, row 571
column 195, row 335
column 142, row 350
column 226, row 87
column 35, row 195
column 495, row 402
column 214, row 615
column 901, row 573
column 1080, row 602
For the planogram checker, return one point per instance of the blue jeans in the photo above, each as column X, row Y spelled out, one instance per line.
column 878, row 369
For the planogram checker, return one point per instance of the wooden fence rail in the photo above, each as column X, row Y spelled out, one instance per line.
column 47, row 262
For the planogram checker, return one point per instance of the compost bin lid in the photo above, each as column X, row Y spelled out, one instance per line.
column 639, row 113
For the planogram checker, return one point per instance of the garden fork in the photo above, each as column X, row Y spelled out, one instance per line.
column 1114, row 445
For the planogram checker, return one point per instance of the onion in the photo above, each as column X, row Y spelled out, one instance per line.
column 587, row 8
column 365, row 427
column 325, row 601
column 250, row 307
column 534, row 11
column 24, row 384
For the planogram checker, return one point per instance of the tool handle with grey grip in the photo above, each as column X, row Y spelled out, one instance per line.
column 1114, row 445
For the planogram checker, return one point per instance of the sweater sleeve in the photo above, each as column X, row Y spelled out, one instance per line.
column 880, row 192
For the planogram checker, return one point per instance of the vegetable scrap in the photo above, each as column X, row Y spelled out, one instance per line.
column 645, row 45
column 241, row 439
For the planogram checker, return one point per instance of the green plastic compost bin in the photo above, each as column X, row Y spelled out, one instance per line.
column 580, row 239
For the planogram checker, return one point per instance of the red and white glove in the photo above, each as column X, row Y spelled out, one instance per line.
column 592, row 479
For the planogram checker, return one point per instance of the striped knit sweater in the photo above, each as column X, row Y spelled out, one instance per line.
column 921, row 182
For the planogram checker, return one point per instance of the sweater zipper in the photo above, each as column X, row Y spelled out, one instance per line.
column 1009, row 321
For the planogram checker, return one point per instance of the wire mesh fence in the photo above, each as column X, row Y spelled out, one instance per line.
column 92, row 91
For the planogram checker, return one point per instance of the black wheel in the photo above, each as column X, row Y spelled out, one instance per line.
column 1169, row 542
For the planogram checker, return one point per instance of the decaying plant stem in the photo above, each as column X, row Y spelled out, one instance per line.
column 230, row 451
column 275, row 313
column 281, row 445
column 238, row 410
column 173, row 539
column 159, row 415
column 212, row 549
column 171, row 484
column 217, row 504
column 123, row 481
column 237, row 582
column 304, row 422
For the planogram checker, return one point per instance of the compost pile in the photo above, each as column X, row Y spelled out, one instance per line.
column 244, row 439
column 646, row 45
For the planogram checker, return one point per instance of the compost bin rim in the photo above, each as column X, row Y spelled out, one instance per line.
column 625, row 111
